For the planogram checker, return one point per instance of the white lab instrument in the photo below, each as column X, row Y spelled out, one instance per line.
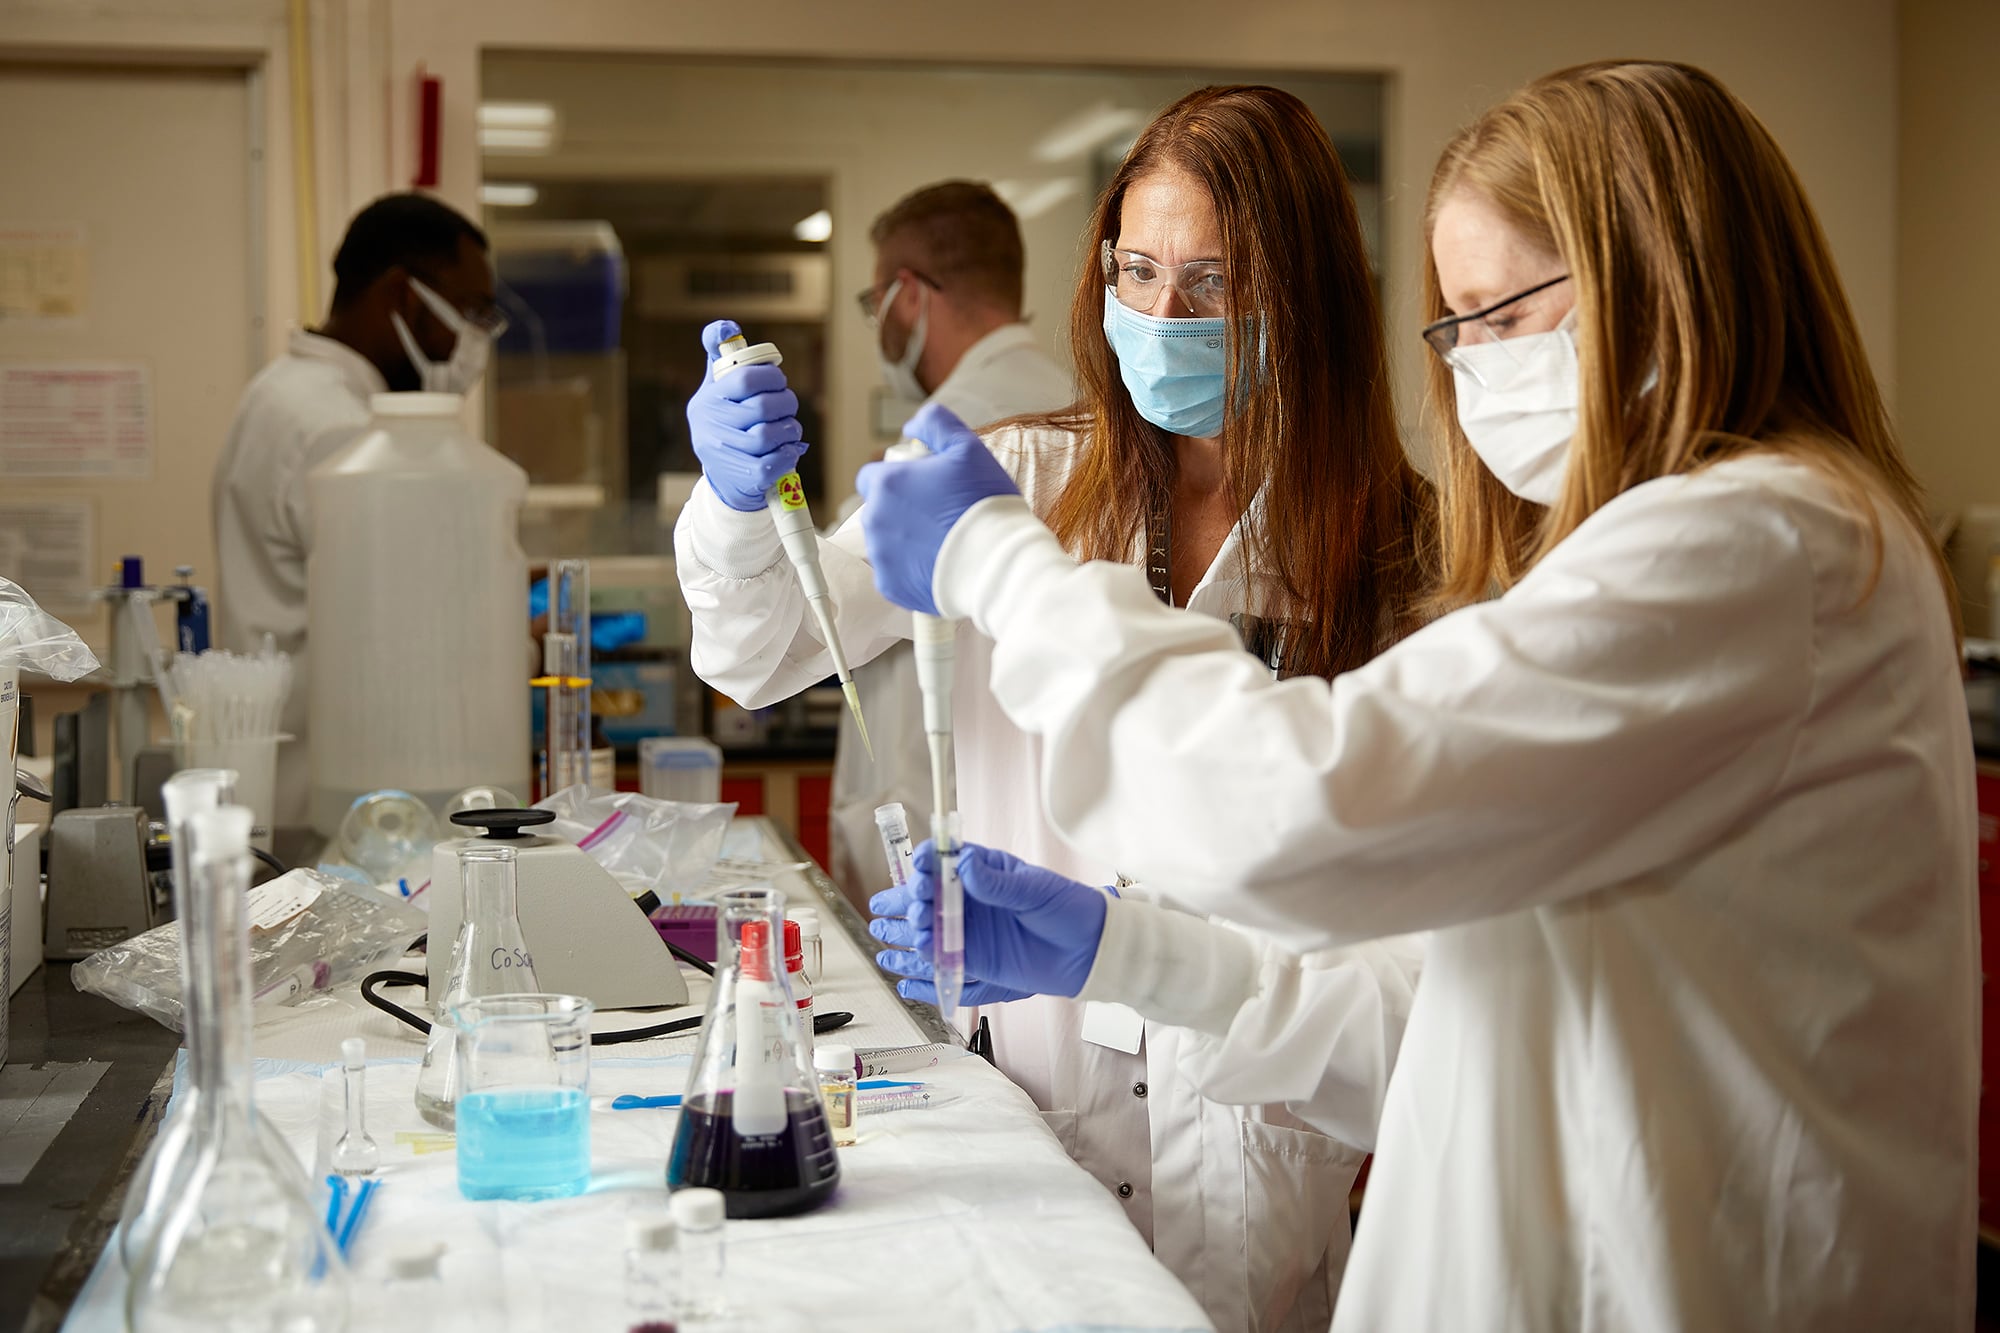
column 937, row 660
column 786, row 501
column 224, row 710
column 586, row 934
column 416, row 587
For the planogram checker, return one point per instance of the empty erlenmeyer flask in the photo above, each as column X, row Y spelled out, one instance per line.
column 489, row 957
column 240, row 1245
column 752, row 1124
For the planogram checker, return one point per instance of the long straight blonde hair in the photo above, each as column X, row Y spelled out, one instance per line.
column 1693, row 253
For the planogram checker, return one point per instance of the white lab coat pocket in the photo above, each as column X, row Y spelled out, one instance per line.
column 1297, row 1231
column 1062, row 1124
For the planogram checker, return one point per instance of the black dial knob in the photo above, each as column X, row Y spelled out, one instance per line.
column 503, row 825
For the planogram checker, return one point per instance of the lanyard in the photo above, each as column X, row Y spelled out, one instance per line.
column 1159, row 548
column 1264, row 636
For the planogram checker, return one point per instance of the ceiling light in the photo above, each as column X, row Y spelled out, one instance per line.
column 517, row 116
column 814, row 227
column 1086, row 131
column 1031, row 199
column 497, row 194
column 504, row 140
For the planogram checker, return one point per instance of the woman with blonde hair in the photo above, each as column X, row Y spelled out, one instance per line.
column 1234, row 437
column 1687, row 806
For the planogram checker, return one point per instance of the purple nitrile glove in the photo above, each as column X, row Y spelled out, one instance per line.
column 1028, row 931
column 745, row 426
column 912, row 504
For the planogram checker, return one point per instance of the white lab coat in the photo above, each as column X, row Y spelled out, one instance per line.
column 1246, row 1205
column 1689, row 812
column 1004, row 374
column 295, row 414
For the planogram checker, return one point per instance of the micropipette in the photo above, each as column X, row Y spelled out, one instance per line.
column 786, row 501
column 937, row 659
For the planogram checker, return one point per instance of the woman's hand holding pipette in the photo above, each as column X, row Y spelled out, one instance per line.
column 912, row 505
column 1028, row 931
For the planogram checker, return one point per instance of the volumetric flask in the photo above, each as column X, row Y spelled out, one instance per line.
column 489, row 957
column 241, row 1245
column 752, row 1125
column 524, row 1096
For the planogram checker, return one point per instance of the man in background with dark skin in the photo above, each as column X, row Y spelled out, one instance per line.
column 413, row 308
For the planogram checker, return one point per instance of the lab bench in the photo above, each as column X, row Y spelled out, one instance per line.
column 964, row 1215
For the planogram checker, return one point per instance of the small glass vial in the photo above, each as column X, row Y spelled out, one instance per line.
column 835, row 1066
column 703, row 1290
column 649, row 1257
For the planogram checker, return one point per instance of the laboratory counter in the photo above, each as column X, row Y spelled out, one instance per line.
column 965, row 1214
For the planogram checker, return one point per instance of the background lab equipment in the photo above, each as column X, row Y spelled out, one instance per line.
column 418, row 616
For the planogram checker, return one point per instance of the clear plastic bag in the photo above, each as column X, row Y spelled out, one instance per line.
column 308, row 932
column 667, row 847
column 34, row 640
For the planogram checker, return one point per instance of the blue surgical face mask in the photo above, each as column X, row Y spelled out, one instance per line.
column 1177, row 370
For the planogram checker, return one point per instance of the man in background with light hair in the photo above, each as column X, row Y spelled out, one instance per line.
column 946, row 309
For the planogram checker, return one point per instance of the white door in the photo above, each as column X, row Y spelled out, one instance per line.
column 141, row 175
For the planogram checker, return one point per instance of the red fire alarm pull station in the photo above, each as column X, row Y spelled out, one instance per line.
column 429, row 95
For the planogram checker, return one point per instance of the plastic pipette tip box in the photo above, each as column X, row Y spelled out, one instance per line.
column 690, row 926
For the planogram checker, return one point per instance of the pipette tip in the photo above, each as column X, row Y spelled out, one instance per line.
column 860, row 722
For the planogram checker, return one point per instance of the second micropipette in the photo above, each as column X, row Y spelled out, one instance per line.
column 786, row 501
column 937, row 660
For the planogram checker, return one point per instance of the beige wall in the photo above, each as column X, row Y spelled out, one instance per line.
column 1948, row 253
column 1821, row 72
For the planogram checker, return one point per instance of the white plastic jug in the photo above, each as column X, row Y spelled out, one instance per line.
column 417, row 603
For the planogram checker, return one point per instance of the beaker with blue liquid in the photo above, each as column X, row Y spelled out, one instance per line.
column 524, row 1096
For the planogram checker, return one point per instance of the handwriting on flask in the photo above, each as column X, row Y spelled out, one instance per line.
column 503, row 958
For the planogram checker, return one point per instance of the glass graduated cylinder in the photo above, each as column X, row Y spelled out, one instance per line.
column 753, row 1126
column 489, row 957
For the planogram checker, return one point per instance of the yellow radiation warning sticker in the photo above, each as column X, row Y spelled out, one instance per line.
column 791, row 494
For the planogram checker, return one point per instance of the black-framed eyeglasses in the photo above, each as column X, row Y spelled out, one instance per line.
column 869, row 298
column 1447, row 335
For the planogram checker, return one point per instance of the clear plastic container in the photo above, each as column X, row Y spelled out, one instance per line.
column 681, row 768
column 418, row 612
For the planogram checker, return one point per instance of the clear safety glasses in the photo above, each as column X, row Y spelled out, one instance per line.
column 489, row 319
column 1202, row 284
column 870, row 298
column 1536, row 310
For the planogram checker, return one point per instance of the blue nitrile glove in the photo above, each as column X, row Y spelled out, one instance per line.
column 912, row 504
column 1028, row 931
column 745, row 428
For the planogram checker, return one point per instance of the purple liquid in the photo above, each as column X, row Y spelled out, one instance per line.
column 772, row 1175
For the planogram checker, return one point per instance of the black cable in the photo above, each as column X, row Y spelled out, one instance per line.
column 277, row 866
column 396, row 1011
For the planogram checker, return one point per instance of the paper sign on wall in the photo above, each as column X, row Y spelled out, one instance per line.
column 48, row 547
column 44, row 277
column 76, row 419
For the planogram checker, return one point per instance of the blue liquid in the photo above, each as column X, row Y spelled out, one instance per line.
column 527, row 1144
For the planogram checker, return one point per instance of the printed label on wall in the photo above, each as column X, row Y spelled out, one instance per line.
column 48, row 547
column 44, row 277
column 76, row 419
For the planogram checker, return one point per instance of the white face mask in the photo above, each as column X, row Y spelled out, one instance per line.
column 468, row 354
column 901, row 376
column 1517, row 406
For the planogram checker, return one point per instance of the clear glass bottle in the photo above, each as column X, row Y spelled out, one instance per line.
column 838, row 1089
column 162, row 1173
column 240, row 1246
column 702, row 1291
column 356, row 1154
column 650, row 1243
column 752, row 1124
column 489, row 957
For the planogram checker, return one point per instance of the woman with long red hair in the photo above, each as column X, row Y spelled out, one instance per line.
column 1234, row 435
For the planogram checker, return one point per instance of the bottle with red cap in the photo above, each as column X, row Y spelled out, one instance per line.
column 752, row 1124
